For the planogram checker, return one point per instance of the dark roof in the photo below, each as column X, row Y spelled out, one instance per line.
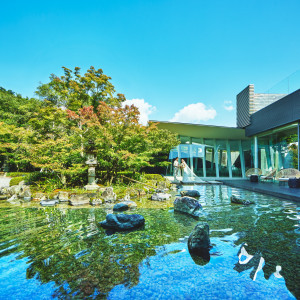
column 280, row 113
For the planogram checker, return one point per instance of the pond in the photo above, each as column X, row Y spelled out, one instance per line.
column 62, row 253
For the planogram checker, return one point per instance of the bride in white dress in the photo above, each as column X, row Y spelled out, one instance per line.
column 187, row 174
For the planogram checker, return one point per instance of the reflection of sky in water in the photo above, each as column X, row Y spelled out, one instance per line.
column 12, row 272
column 254, row 253
column 176, row 276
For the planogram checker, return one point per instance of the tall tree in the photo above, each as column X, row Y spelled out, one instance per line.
column 74, row 91
column 120, row 142
column 52, row 145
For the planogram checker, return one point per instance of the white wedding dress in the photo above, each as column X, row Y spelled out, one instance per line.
column 188, row 175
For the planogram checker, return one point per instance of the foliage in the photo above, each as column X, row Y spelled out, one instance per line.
column 156, row 177
column 52, row 146
column 119, row 141
column 44, row 181
column 16, row 110
column 13, row 146
column 16, row 180
column 74, row 91
column 17, row 174
column 79, row 114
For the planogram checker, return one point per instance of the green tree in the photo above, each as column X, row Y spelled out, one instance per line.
column 74, row 91
column 13, row 148
column 52, row 145
column 16, row 110
column 120, row 142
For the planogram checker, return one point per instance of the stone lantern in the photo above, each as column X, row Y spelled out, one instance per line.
column 92, row 163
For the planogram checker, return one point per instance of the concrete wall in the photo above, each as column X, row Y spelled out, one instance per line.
column 243, row 100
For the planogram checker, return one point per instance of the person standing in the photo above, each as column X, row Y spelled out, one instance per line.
column 176, row 168
column 184, row 169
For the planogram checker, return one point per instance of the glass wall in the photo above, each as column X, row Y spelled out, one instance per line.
column 198, row 155
column 248, row 149
column 222, row 151
column 235, row 156
column 213, row 157
column 278, row 149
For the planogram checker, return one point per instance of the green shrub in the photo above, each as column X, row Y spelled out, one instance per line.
column 46, row 181
column 156, row 177
column 17, row 174
column 16, row 180
column 79, row 179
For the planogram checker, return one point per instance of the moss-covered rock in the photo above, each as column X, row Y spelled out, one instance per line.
column 16, row 180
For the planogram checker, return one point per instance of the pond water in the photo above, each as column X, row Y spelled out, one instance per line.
column 62, row 252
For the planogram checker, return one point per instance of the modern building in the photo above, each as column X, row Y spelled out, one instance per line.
column 248, row 102
column 267, row 137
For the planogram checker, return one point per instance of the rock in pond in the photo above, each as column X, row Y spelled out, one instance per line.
column 199, row 242
column 81, row 199
column 49, row 202
column 39, row 197
column 27, row 195
column 160, row 197
column 188, row 205
column 190, row 193
column 97, row 202
column 125, row 205
column 14, row 200
column 123, row 222
column 62, row 196
column 236, row 200
column 108, row 195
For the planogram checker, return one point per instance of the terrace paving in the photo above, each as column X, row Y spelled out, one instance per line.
column 268, row 188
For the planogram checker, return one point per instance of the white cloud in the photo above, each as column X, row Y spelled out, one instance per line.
column 194, row 113
column 228, row 105
column 144, row 108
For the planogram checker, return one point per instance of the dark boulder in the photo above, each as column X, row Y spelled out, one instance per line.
column 121, row 207
column 124, row 205
column 190, row 193
column 123, row 222
column 199, row 242
column 236, row 200
column 188, row 205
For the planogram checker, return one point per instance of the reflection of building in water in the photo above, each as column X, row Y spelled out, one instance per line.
column 248, row 261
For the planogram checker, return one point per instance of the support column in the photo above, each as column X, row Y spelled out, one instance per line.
column 255, row 152
column 280, row 160
column 242, row 159
column 204, row 162
column 229, row 159
column 272, row 154
column 191, row 155
column 298, row 144
column 216, row 159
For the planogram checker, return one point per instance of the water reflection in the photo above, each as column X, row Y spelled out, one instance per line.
column 66, row 251
column 247, row 261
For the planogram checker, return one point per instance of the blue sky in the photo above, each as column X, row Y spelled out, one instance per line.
column 185, row 57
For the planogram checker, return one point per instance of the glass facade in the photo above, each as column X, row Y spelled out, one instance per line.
column 216, row 158
column 211, row 158
column 278, row 149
